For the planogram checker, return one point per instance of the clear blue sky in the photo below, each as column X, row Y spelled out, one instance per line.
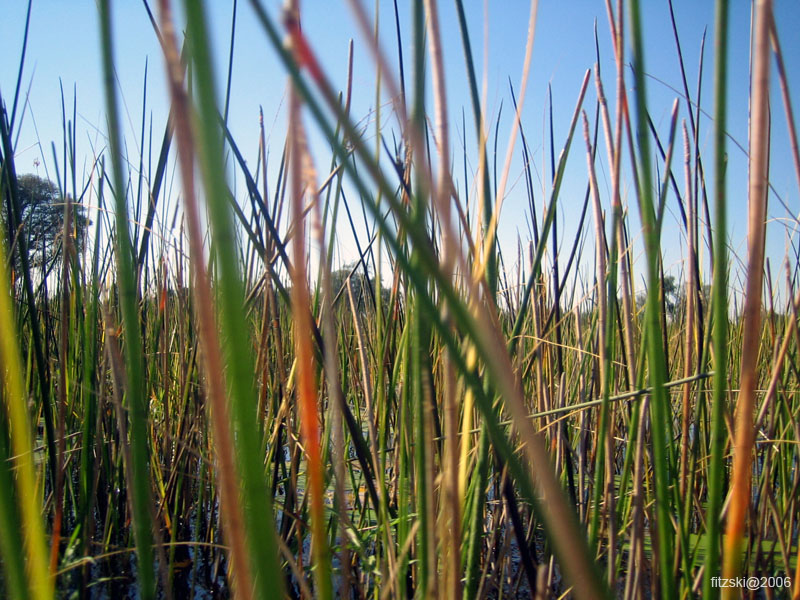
column 63, row 46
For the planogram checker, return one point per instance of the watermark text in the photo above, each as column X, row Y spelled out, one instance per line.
column 751, row 583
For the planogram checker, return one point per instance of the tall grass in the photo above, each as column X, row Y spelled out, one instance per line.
column 28, row 576
column 230, row 410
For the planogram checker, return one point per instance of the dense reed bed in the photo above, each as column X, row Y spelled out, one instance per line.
column 198, row 401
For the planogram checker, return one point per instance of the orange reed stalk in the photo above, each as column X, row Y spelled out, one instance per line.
column 745, row 431
column 306, row 387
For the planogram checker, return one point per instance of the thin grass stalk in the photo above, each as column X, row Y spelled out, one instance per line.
column 66, row 247
column 606, row 281
column 787, row 102
column 336, row 400
column 18, row 86
column 88, row 396
column 634, row 394
column 305, row 362
column 490, row 235
column 485, row 191
column 414, row 129
column 405, row 529
column 420, row 340
column 419, row 382
column 615, row 159
column 691, row 296
column 475, row 517
column 777, row 364
column 614, row 145
column 365, row 377
column 683, row 550
column 549, row 218
column 751, row 324
column 383, row 331
column 450, row 511
column 602, row 312
column 139, row 170
column 719, row 306
column 128, row 296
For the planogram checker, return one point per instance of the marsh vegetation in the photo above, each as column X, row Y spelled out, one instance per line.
column 199, row 401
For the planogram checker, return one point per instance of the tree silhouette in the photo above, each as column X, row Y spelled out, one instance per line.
column 363, row 288
column 42, row 211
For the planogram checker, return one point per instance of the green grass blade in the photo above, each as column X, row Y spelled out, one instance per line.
column 235, row 336
column 659, row 407
column 137, row 402
column 719, row 307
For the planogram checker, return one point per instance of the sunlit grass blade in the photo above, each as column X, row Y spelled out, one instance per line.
column 11, row 541
column 28, row 495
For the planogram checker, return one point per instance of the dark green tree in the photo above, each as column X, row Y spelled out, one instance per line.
column 42, row 210
column 363, row 288
column 672, row 296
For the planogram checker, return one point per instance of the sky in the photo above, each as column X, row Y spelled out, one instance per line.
column 63, row 50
